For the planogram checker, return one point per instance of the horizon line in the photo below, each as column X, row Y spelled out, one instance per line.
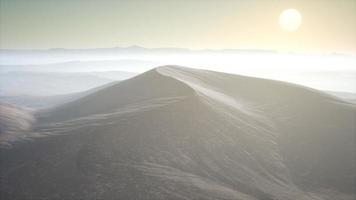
column 184, row 49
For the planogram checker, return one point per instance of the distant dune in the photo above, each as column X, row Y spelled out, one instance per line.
column 118, row 65
column 344, row 95
column 45, row 102
column 29, row 83
column 180, row 133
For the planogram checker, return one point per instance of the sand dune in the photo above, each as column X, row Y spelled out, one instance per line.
column 179, row 133
column 14, row 123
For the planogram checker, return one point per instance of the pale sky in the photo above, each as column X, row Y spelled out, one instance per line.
column 327, row 25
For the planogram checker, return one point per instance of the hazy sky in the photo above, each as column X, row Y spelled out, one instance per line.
column 327, row 26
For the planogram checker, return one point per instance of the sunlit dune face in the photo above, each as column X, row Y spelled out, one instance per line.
column 290, row 19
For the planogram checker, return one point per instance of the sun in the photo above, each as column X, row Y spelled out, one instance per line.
column 290, row 19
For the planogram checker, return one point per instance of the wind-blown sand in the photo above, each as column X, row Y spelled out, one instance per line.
column 179, row 133
column 14, row 123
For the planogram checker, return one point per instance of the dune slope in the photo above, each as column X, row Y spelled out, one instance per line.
column 15, row 122
column 179, row 133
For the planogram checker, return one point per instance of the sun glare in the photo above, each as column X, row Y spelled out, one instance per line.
column 290, row 19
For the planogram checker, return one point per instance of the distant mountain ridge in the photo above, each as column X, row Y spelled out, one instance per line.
column 135, row 49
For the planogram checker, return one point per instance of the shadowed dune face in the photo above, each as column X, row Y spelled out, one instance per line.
column 179, row 133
